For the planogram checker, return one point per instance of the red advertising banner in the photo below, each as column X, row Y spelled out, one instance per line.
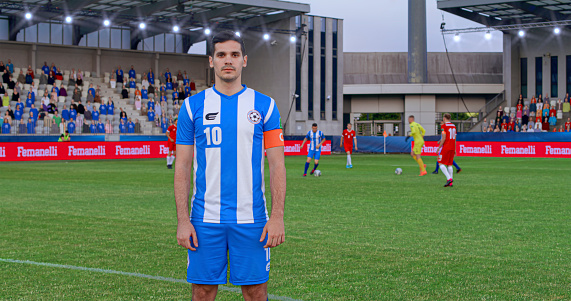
column 293, row 148
column 505, row 149
column 45, row 151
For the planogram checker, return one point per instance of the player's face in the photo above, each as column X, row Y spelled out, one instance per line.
column 410, row 120
column 228, row 61
column 349, row 126
column 314, row 129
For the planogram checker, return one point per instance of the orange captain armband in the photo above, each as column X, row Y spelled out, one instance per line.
column 273, row 138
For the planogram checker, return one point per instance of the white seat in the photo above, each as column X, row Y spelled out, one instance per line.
column 36, row 81
column 16, row 70
column 27, row 87
column 66, row 72
column 61, row 99
column 58, row 83
column 107, row 74
column 559, row 114
column 138, row 77
column 553, row 103
column 87, row 74
column 66, row 77
column 506, row 110
column 38, row 72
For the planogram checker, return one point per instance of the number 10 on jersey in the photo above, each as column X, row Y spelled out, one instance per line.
column 213, row 135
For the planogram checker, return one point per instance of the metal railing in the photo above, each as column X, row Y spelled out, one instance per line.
column 488, row 108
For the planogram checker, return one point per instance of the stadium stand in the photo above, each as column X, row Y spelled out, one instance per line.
column 62, row 95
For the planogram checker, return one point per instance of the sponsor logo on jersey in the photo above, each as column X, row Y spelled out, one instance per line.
column 254, row 117
column 211, row 116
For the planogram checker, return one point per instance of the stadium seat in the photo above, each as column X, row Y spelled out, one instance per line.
column 61, row 99
column 87, row 74
column 38, row 71
column 559, row 114
column 506, row 110
column 553, row 103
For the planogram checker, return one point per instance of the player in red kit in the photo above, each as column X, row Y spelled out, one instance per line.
column 171, row 135
column 348, row 137
column 447, row 149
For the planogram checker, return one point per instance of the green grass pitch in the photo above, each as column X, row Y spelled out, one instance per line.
column 502, row 233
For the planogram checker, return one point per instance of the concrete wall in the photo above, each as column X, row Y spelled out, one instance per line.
column 391, row 68
column 102, row 59
column 453, row 104
column 377, row 103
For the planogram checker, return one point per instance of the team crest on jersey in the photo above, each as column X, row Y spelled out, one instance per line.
column 254, row 117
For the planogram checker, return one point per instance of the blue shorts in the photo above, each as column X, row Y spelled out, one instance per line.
column 238, row 243
column 314, row 154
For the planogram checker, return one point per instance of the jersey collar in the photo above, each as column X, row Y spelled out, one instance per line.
column 230, row 96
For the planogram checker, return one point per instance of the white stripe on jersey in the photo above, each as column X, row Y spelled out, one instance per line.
column 213, row 161
column 212, row 194
column 244, row 179
column 188, row 110
column 269, row 111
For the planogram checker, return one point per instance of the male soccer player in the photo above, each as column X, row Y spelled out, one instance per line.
column 348, row 137
column 435, row 172
column 316, row 139
column 417, row 132
column 447, row 149
column 171, row 135
column 223, row 132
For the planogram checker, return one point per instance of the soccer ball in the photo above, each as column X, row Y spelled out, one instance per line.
column 398, row 171
column 317, row 173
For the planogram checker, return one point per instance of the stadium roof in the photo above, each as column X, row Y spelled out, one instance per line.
column 160, row 16
column 508, row 12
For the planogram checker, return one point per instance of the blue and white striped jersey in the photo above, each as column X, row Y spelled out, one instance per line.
column 228, row 137
column 314, row 139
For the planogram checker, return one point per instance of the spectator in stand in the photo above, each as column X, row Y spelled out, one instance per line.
column 158, row 109
column 100, row 127
column 552, row 119
column 113, row 81
column 137, row 92
column 21, row 78
column 175, row 95
column 539, row 103
column 108, row 127
column 79, row 76
column 530, row 129
column 137, row 126
column 185, row 79
column 553, row 111
column 568, row 123
column 10, row 112
column 6, row 127
column 532, row 105
column 95, row 114
column 7, row 118
column 34, row 111
column 130, row 127
column 519, row 109
column 132, row 83
column 85, row 127
column 193, row 88
column 97, row 97
column 2, row 90
column 5, row 99
column 561, row 129
column 144, row 81
column 531, row 124
column 525, row 116
column 10, row 66
column 163, row 97
column 506, row 118
column 102, row 109
column 132, row 73
column 51, row 78
column 485, row 125
column 504, row 126
column 151, row 91
column 80, row 108
column 57, row 119
column 144, row 93
column 11, row 82
column 181, row 94
column 22, row 128
column 62, row 91
column 546, row 99
column 72, row 78
column 71, row 127
column 2, row 66
column 91, row 90
column 93, row 127
column 497, row 129
column 46, row 68
column 119, row 74
column 89, row 107
column 138, row 103
column 46, row 99
column 122, row 114
column 72, row 113
column 545, row 110
column 566, row 104
column 545, row 124
column 31, row 127
column 123, row 127
column 65, row 113
column 59, row 74
column 124, row 93
column 29, row 75
column 110, row 106
column 151, row 76
column 517, row 123
column 29, row 99
column 151, row 114
column 559, row 106
column 6, row 77
column 517, row 129
column 169, row 82
column 187, row 91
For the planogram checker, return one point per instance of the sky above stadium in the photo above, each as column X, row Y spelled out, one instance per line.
column 382, row 26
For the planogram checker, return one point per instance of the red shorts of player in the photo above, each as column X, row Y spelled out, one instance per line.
column 446, row 157
column 348, row 148
column 172, row 146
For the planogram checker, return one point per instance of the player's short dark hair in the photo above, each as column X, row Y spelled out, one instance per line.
column 227, row 35
column 411, row 116
column 61, row 135
column 67, row 132
column 447, row 116
column 315, row 124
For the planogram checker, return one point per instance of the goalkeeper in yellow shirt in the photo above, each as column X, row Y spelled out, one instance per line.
column 417, row 133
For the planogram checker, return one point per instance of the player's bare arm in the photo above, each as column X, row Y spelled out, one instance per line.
column 355, row 142
column 169, row 136
column 275, row 226
column 441, row 142
column 182, row 173
column 302, row 143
